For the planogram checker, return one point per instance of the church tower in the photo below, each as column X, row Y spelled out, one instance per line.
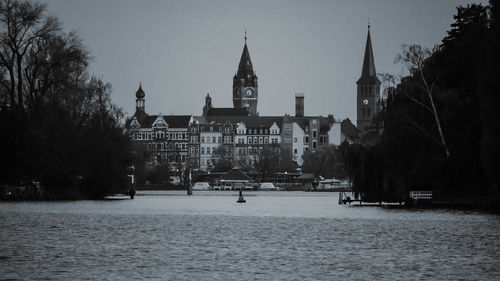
column 245, row 86
column 368, row 85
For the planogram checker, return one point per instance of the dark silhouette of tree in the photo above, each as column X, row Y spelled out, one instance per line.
column 63, row 129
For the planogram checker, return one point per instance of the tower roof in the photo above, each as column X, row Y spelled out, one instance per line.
column 245, row 68
column 140, row 93
column 368, row 74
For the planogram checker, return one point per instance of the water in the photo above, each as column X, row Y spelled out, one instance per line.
column 274, row 236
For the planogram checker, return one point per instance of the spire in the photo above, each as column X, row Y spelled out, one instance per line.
column 245, row 36
column 245, row 68
column 368, row 74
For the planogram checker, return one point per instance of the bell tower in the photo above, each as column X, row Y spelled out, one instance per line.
column 368, row 89
column 245, row 84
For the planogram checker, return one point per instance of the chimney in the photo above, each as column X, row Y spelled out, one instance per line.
column 299, row 105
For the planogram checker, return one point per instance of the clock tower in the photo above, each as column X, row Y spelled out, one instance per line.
column 245, row 86
column 368, row 85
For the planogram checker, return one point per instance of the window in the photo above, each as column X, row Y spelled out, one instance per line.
column 202, row 150
column 249, row 131
column 220, row 140
column 295, row 151
column 255, row 140
column 249, row 140
column 261, row 132
column 213, row 139
column 266, row 132
column 314, row 145
column 295, row 139
column 314, row 133
column 306, row 140
column 266, row 140
column 261, row 140
column 211, row 129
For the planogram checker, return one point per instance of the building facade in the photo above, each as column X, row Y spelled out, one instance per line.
column 239, row 134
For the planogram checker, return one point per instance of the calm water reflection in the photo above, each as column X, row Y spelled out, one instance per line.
column 274, row 236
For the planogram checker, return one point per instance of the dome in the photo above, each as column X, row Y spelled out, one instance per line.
column 140, row 93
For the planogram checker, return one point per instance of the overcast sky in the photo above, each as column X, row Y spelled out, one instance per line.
column 182, row 50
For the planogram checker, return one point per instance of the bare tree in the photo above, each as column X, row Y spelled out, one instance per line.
column 414, row 57
column 34, row 53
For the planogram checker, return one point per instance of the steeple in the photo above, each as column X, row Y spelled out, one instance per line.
column 245, row 83
column 245, row 68
column 368, row 73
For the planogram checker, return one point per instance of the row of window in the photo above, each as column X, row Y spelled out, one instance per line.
column 166, row 146
column 171, row 158
column 227, row 130
column 258, row 132
column 159, row 135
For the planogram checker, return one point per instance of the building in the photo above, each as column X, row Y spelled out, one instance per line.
column 239, row 134
column 164, row 136
column 368, row 89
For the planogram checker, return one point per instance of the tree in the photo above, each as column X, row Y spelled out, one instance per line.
column 64, row 131
column 267, row 162
column 286, row 163
column 221, row 159
column 35, row 55
column 325, row 161
column 415, row 58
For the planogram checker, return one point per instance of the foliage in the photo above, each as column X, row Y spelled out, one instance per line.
column 221, row 159
column 447, row 104
column 326, row 161
column 61, row 127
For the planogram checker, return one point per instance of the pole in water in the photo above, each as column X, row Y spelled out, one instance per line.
column 240, row 198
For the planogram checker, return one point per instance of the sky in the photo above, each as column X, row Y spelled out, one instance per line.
column 182, row 50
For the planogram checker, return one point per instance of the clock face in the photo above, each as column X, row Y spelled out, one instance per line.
column 249, row 92
column 365, row 102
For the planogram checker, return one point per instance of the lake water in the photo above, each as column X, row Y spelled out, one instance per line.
column 274, row 236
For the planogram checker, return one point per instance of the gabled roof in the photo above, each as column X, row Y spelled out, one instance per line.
column 368, row 74
column 177, row 121
column 250, row 121
column 303, row 122
column 227, row 111
column 234, row 175
column 173, row 121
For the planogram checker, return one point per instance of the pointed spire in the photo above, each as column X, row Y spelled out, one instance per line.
column 245, row 36
column 368, row 73
column 245, row 68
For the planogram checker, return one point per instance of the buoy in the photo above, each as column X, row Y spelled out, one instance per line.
column 241, row 199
